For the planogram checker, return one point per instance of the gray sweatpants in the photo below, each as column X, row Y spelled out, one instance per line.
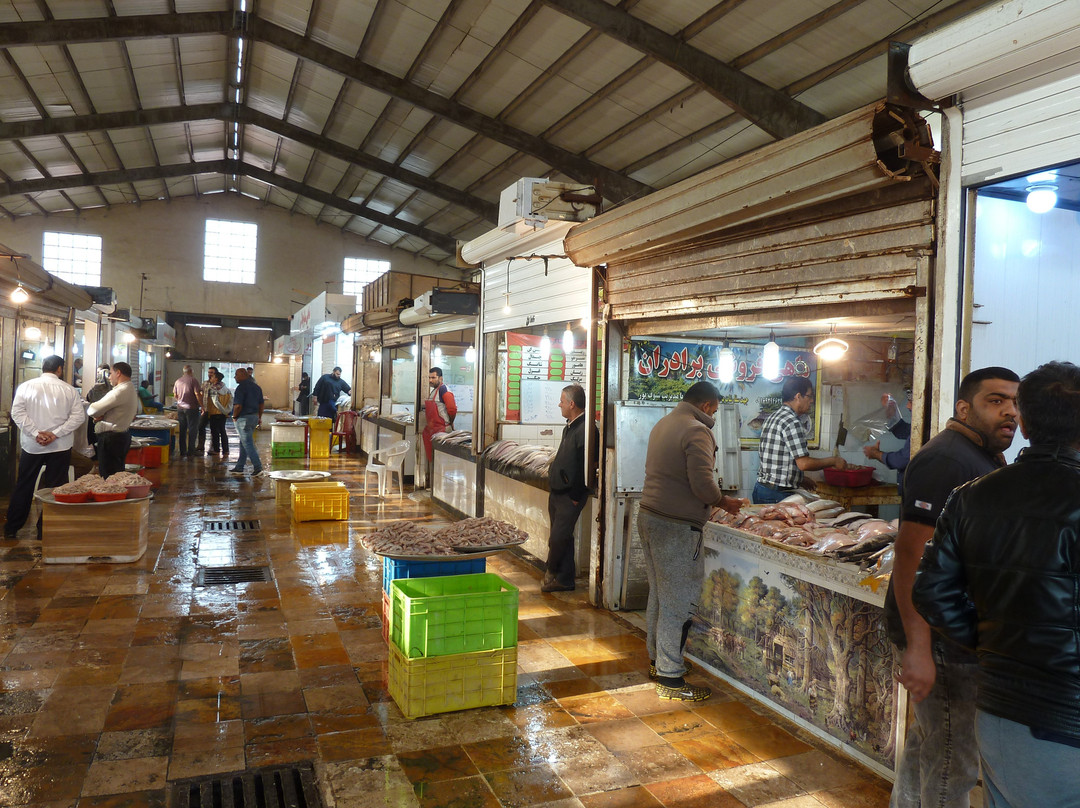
column 676, row 566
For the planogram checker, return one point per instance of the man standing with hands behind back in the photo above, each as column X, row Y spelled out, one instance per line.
column 47, row 410
column 940, row 763
column 569, row 490
column 113, row 414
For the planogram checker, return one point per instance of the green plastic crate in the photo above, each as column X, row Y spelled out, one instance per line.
column 453, row 614
column 287, row 449
column 455, row 682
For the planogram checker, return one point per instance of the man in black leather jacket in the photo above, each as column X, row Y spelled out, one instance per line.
column 1002, row 576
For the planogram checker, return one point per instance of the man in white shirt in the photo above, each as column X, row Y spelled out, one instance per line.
column 113, row 414
column 47, row 411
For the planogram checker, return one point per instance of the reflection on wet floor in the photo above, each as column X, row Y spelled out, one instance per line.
column 116, row 679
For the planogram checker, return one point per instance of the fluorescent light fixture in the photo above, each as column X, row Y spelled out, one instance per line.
column 19, row 295
column 545, row 346
column 203, row 325
column 255, row 328
column 725, row 364
column 470, row 354
column 32, row 332
column 1042, row 198
column 567, row 339
column 770, row 358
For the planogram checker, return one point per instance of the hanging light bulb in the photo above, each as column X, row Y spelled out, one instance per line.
column 545, row 346
column 128, row 337
column 506, row 304
column 470, row 354
column 32, row 332
column 412, row 350
column 567, row 339
column 893, row 352
column 832, row 347
column 75, row 348
column 1042, row 198
column 19, row 295
column 436, row 355
column 770, row 358
column 725, row 364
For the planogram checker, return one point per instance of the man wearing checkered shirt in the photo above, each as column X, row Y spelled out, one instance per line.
column 783, row 455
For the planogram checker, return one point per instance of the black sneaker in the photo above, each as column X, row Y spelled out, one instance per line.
column 683, row 693
column 654, row 675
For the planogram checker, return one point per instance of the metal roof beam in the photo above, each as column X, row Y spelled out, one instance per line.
column 772, row 110
column 227, row 112
column 100, row 29
column 228, row 167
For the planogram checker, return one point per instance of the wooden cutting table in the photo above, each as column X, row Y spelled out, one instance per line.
column 103, row 532
column 865, row 498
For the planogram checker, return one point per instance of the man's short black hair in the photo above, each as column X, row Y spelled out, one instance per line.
column 336, row 369
column 969, row 385
column 796, row 386
column 701, row 393
column 576, row 394
column 219, row 375
column 1049, row 402
column 123, row 367
column 437, row 371
column 52, row 364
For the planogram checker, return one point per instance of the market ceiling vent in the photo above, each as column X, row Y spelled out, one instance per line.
column 219, row 576
column 279, row 787
column 219, row 525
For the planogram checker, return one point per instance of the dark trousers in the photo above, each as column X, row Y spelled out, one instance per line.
column 219, row 441
column 189, row 430
column 563, row 515
column 112, row 449
column 204, row 423
column 56, row 471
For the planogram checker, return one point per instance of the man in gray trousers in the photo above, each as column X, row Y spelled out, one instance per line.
column 679, row 496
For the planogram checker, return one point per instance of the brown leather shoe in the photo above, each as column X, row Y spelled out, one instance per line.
column 551, row 584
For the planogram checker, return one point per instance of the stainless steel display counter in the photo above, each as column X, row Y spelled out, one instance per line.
column 800, row 633
column 453, row 483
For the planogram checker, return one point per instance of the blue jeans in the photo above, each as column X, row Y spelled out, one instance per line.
column 763, row 495
column 940, row 762
column 1021, row 771
column 245, row 428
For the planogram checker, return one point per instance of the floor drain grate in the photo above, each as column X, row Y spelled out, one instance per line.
column 217, row 576
column 278, row 787
column 233, row 524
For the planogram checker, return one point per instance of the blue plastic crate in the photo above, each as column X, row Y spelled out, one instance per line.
column 393, row 569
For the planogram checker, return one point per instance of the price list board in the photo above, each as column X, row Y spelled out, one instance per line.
column 526, row 365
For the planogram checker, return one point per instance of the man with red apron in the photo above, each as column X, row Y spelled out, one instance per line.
column 440, row 409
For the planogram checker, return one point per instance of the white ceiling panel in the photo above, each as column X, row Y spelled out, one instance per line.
column 357, row 113
column 290, row 14
column 341, row 25
column 314, row 97
column 400, row 34
column 154, row 66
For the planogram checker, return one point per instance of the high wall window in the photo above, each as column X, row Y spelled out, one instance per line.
column 229, row 251
column 73, row 257
column 359, row 272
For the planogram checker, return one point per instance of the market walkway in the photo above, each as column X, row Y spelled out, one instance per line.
column 118, row 680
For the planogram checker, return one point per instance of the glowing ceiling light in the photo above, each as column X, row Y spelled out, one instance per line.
column 19, row 295
column 567, row 339
column 128, row 337
column 470, row 354
column 1042, row 198
column 770, row 358
column 831, row 348
column 725, row 364
column 413, row 350
column 436, row 355
column 32, row 332
column 545, row 346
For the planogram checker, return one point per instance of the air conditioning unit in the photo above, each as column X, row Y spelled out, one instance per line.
column 533, row 201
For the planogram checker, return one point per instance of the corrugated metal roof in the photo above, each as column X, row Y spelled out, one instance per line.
column 417, row 112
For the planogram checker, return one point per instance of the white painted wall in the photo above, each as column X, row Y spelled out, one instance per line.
column 1025, row 288
column 295, row 257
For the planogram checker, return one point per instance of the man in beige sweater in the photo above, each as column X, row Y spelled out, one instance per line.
column 678, row 497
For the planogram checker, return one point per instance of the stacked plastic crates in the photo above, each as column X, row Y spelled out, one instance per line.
column 287, row 440
column 319, row 430
column 453, row 642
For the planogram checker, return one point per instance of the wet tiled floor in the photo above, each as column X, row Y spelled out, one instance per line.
column 118, row 679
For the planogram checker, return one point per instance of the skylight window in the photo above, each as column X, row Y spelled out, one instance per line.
column 72, row 257
column 359, row 272
column 229, row 251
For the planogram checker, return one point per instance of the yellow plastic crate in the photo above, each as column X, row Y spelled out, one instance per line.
column 319, row 436
column 313, row 502
column 430, row 685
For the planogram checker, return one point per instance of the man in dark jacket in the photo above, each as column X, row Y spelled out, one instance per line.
column 1001, row 577
column 940, row 762
column 569, row 490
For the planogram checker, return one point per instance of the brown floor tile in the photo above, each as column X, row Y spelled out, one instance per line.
column 211, row 687
column 196, row 737
column 325, row 723
column 716, row 751
column 729, row 716
column 207, row 711
column 497, row 754
column 318, row 650
column 277, row 753
column 591, row 709
column 768, row 742
column 678, row 725
column 441, row 763
column 633, row 797
column 261, row 705
column 692, row 792
column 140, row 799
column 859, row 795
column 203, row 762
column 142, row 706
column 568, row 688
column 270, row 654
column 519, row 788
column 139, row 743
column 341, row 699
column 269, row 682
column 122, row 776
column 354, row 744
column 624, row 735
column 651, row 764
column 817, row 771
column 469, row 792
column 277, row 728
column 756, row 783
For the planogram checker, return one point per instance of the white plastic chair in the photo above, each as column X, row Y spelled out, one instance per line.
column 37, row 482
column 393, row 458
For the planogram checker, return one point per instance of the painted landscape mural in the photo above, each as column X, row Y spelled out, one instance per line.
column 821, row 654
